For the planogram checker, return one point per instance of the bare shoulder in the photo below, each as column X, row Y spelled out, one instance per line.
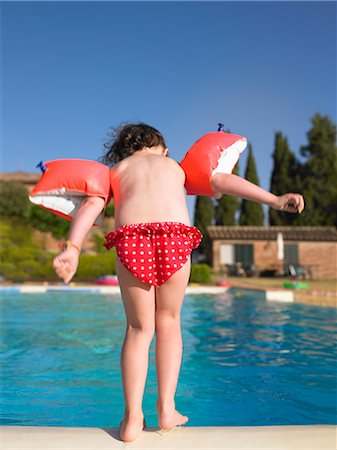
column 176, row 166
column 173, row 163
column 120, row 166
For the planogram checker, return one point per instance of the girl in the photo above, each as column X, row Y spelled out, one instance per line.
column 153, row 240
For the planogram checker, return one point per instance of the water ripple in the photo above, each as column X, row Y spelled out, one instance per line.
column 245, row 361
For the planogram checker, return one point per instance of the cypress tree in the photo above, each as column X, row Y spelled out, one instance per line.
column 226, row 207
column 251, row 213
column 285, row 178
column 203, row 217
column 319, row 173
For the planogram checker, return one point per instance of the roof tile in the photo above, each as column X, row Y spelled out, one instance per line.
column 270, row 233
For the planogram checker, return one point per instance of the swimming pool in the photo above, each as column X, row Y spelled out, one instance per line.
column 246, row 361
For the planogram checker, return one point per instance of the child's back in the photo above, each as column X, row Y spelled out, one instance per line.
column 148, row 187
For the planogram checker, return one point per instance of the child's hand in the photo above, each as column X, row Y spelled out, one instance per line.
column 65, row 264
column 293, row 203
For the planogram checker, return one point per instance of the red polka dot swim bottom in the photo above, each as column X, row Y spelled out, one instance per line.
column 154, row 251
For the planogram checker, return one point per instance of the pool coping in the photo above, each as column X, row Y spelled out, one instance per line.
column 41, row 289
column 270, row 294
column 275, row 294
column 291, row 437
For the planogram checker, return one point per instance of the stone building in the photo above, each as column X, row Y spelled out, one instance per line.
column 272, row 250
column 28, row 179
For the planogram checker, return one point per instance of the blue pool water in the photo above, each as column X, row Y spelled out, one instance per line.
column 246, row 361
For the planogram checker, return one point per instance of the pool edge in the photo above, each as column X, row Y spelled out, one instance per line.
column 292, row 437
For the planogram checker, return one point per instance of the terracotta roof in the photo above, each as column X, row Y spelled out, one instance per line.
column 21, row 177
column 270, row 233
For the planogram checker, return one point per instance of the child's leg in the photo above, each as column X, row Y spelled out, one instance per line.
column 139, row 304
column 169, row 300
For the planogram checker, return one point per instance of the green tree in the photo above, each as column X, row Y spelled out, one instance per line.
column 226, row 207
column 203, row 217
column 319, row 173
column 285, row 178
column 14, row 202
column 251, row 213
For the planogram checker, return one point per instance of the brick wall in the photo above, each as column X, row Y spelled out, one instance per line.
column 265, row 256
column 319, row 257
column 265, row 253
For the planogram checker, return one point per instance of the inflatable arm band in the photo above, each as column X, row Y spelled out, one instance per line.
column 67, row 183
column 216, row 152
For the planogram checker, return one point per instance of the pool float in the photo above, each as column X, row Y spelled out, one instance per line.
column 108, row 280
column 216, row 152
column 224, row 283
column 295, row 285
column 65, row 184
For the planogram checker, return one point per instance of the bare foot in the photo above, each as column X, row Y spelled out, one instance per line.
column 169, row 418
column 129, row 429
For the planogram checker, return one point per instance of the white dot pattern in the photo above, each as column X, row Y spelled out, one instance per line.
column 149, row 242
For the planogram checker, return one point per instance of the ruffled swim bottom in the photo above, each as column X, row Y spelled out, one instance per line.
column 154, row 251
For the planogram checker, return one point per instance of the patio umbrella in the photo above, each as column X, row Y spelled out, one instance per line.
column 280, row 247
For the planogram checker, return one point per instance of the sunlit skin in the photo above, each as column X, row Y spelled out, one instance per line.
column 234, row 185
column 149, row 187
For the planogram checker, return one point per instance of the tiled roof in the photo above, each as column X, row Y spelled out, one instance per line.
column 270, row 233
column 21, row 177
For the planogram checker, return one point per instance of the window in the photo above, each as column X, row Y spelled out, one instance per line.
column 227, row 255
column 290, row 256
column 244, row 254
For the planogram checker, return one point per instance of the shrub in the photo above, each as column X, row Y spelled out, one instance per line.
column 45, row 272
column 44, row 220
column 200, row 273
column 93, row 266
column 19, row 276
column 99, row 240
column 7, row 269
column 14, row 202
column 14, row 232
column 110, row 210
column 22, row 258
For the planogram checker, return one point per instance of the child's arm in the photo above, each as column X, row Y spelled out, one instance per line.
column 231, row 184
column 65, row 264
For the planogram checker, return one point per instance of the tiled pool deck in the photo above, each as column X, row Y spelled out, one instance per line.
column 321, row 437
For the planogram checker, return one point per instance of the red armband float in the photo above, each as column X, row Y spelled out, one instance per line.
column 65, row 185
column 216, row 152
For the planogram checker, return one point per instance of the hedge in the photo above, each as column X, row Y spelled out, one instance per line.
column 200, row 273
column 23, row 259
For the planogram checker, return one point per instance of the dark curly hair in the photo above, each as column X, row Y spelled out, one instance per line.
column 127, row 139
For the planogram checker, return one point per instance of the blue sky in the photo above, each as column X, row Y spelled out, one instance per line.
column 70, row 70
